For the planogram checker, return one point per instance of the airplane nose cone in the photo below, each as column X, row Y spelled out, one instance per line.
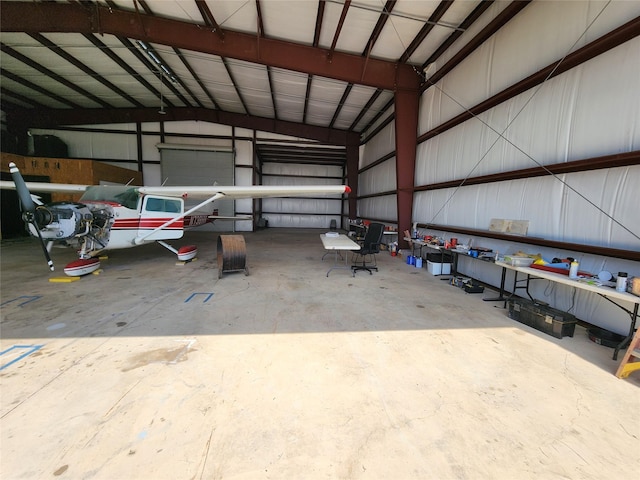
column 347, row 189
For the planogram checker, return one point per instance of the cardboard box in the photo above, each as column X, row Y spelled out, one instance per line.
column 438, row 268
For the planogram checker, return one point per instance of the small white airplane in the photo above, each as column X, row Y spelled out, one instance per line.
column 109, row 217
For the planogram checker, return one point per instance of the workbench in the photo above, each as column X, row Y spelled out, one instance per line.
column 605, row 291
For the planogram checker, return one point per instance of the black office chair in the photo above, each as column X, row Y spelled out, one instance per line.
column 370, row 247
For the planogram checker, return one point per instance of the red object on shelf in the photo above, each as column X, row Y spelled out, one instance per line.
column 561, row 271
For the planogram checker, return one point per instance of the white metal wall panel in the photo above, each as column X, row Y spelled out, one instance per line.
column 522, row 48
column 352, row 107
column 319, row 171
column 177, row 66
column 101, row 145
column 475, row 28
column 33, row 49
column 324, row 99
column 212, row 71
column 554, row 212
column 376, row 107
column 193, row 127
column 279, row 220
column 359, row 27
column 110, row 70
column 378, row 146
column 553, row 209
column 244, row 206
column 606, row 210
column 244, row 177
column 590, row 111
column 378, row 207
column 402, row 26
column 563, row 121
column 620, row 105
column 253, row 81
column 236, row 15
column 301, row 212
column 244, row 156
column 454, row 15
column 274, row 136
column 381, row 178
column 80, row 48
column 301, row 31
column 168, row 9
column 301, row 206
column 288, row 88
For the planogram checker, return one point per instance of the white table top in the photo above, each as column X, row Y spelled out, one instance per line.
column 341, row 242
column 577, row 283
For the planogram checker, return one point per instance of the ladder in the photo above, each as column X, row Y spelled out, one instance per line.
column 631, row 360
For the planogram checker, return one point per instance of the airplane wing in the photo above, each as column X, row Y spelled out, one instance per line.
column 253, row 191
column 45, row 187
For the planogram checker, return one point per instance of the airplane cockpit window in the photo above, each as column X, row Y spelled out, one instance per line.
column 124, row 195
column 162, row 205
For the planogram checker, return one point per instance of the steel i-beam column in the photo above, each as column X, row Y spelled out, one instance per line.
column 406, row 118
column 353, row 160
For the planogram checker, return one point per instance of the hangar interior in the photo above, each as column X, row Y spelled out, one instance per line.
column 441, row 116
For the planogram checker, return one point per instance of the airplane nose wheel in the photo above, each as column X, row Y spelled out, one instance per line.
column 82, row 267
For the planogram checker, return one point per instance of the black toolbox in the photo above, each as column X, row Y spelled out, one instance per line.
column 473, row 287
column 542, row 317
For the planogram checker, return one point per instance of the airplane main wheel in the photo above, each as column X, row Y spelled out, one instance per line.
column 82, row 267
column 188, row 252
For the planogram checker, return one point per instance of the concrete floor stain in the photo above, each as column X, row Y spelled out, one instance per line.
column 61, row 470
column 159, row 355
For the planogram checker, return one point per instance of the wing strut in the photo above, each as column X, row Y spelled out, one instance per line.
column 139, row 240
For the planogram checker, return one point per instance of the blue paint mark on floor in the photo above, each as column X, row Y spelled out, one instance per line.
column 17, row 349
column 30, row 298
column 208, row 295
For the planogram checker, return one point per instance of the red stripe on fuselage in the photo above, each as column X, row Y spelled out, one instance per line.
column 146, row 223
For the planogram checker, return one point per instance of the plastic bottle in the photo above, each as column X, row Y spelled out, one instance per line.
column 418, row 262
column 573, row 271
column 621, row 283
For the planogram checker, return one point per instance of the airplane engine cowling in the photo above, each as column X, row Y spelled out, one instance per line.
column 65, row 220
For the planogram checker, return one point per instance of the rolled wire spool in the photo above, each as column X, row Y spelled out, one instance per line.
column 232, row 254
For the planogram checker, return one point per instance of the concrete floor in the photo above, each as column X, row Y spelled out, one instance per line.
column 153, row 370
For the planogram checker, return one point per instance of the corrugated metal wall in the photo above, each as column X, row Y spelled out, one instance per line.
column 592, row 110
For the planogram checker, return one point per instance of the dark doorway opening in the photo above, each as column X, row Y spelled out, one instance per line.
column 11, row 224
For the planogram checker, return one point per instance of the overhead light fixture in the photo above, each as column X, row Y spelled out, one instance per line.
column 161, row 66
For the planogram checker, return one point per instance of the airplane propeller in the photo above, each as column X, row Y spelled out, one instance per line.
column 30, row 213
